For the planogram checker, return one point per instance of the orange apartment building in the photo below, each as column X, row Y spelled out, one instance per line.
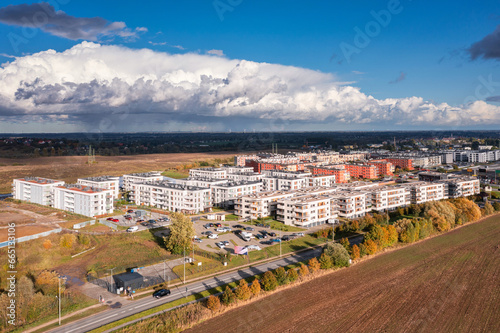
column 384, row 168
column 339, row 171
column 403, row 163
column 362, row 171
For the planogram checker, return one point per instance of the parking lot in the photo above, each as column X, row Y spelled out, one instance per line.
column 231, row 238
column 142, row 222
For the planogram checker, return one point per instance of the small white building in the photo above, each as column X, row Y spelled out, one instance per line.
column 104, row 182
column 35, row 189
column 83, row 200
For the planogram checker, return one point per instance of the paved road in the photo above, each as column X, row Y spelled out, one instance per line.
column 106, row 317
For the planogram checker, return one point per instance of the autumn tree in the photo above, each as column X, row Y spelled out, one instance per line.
column 354, row 226
column 269, row 281
column 281, row 276
column 338, row 254
column 391, row 235
column 255, row 287
column 48, row 282
column 213, row 303
column 303, row 270
column 325, row 261
column 292, row 275
column 67, row 240
column 227, row 296
column 355, row 253
column 345, row 243
column 181, row 233
column 313, row 265
column 47, row 244
column 243, row 291
column 488, row 208
column 371, row 246
column 496, row 205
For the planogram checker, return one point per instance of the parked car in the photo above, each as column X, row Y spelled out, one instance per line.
column 259, row 236
column 272, row 234
column 253, row 247
column 152, row 221
column 110, row 219
column 130, row 211
column 208, row 233
column 160, row 293
column 225, row 243
column 218, row 224
column 206, row 226
column 197, row 240
column 220, row 229
column 267, row 242
column 249, row 229
column 144, row 224
column 140, row 220
column 213, row 236
column 285, row 238
column 115, row 220
column 226, row 229
column 276, row 240
column 128, row 217
column 220, row 245
column 210, row 225
column 238, row 226
column 133, row 228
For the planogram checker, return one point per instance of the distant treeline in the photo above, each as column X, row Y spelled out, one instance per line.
column 113, row 144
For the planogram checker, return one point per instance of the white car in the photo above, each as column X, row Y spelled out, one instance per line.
column 213, row 236
column 253, row 247
column 133, row 228
column 220, row 244
column 227, row 229
column 220, row 229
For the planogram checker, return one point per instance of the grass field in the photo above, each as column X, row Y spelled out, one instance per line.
column 275, row 225
column 449, row 283
column 69, row 168
column 176, row 174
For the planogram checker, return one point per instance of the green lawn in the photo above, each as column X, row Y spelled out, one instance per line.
column 275, row 225
column 175, row 174
column 232, row 217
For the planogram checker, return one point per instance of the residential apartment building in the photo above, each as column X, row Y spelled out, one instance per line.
column 340, row 173
column 421, row 192
column 245, row 176
column 237, row 169
column 384, row 168
column 387, row 198
column 208, row 173
column 104, row 182
column 174, row 197
column 260, row 205
column 460, row 187
column 321, row 180
column 83, row 200
column 140, row 178
column 365, row 171
column 403, row 163
column 280, row 183
column 305, row 211
column 225, row 195
column 35, row 189
column 350, row 204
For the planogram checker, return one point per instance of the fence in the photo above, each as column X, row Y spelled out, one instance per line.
column 109, row 224
column 27, row 238
column 83, row 224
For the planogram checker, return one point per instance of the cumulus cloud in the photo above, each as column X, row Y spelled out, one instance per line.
column 44, row 16
column 99, row 85
column 488, row 47
column 400, row 78
column 219, row 53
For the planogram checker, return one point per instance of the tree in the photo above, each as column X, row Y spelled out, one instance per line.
column 355, row 226
column 313, row 265
column 325, row 261
column 48, row 283
column 181, row 233
column 355, row 255
column 488, row 208
column 345, row 243
column 292, row 274
column 281, row 276
column 371, row 246
column 339, row 255
column 67, row 240
column 47, row 244
column 303, row 270
column 269, row 281
column 227, row 296
column 243, row 291
column 255, row 287
column 496, row 205
column 213, row 303
column 392, row 235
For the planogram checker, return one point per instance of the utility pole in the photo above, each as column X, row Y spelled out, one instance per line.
column 280, row 241
column 164, row 272
column 110, row 277
column 59, row 297
column 184, row 264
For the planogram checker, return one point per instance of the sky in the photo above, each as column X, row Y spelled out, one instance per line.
column 235, row 65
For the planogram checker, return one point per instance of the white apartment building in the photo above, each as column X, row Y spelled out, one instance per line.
column 83, row 200
column 245, row 176
column 236, row 169
column 460, row 187
column 261, row 204
column 321, row 180
column 225, row 195
column 200, row 182
column 278, row 183
column 350, row 204
column 317, row 190
column 174, row 197
column 387, row 198
column 305, row 211
column 35, row 189
column 208, row 173
column 140, row 178
column 287, row 174
column 420, row 192
column 104, row 182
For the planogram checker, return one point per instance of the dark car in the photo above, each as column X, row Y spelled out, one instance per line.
column 238, row 226
column 285, row 238
column 263, row 232
column 249, row 229
column 272, row 234
column 218, row 225
column 160, row 293
column 130, row 211
column 152, row 221
column 267, row 242
column 145, row 224
column 259, row 236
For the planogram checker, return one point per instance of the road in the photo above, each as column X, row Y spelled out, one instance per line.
column 109, row 316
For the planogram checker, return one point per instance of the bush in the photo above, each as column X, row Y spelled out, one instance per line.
column 227, row 296
column 84, row 239
column 338, row 254
column 213, row 303
column 292, row 275
column 269, row 281
column 303, row 270
column 371, row 246
column 313, row 265
column 281, row 276
column 345, row 243
column 255, row 287
column 67, row 241
column 325, row 262
column 48, row 283
column 356, row 254
column 47, row 244
column 496, row 205
column 243, row 291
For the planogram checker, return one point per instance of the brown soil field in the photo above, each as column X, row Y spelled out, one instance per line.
column 449, row 283
column 69, row 168
column 18, row 219
column 22, row 231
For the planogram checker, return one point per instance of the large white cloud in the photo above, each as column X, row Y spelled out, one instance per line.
column 91, row 81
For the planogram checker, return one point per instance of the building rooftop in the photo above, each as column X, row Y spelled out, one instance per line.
column 101, row 179
column 39, row 180
column 82, row 188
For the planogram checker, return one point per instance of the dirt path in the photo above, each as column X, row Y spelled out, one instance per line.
column 447, row 284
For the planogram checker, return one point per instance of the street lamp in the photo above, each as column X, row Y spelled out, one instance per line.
column 59, row 297
column 280, row 241
column 184, row 275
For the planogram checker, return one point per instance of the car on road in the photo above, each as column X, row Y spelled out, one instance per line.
column 160, row 293
column 133, row 228
column 253, row 247
column 213, row 236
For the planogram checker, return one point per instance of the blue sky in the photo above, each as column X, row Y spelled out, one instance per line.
column 422, row 51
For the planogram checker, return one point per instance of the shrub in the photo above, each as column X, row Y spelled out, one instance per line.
column 83, row 239
column 67, row 240
column 47, row 244
column 292, row 275
column 325, row 261
column 345, row 243
column 488, row 209
column 356, row 254
column 303, row 270
column 213, row 303
column 243, row 291
column 269, row 281
column 496, row 205
column 338, row 254
column 255, row 287
column 313, row 265
column 48, row 283
column 281, row 276
column 371, row 246
column 227, row 296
